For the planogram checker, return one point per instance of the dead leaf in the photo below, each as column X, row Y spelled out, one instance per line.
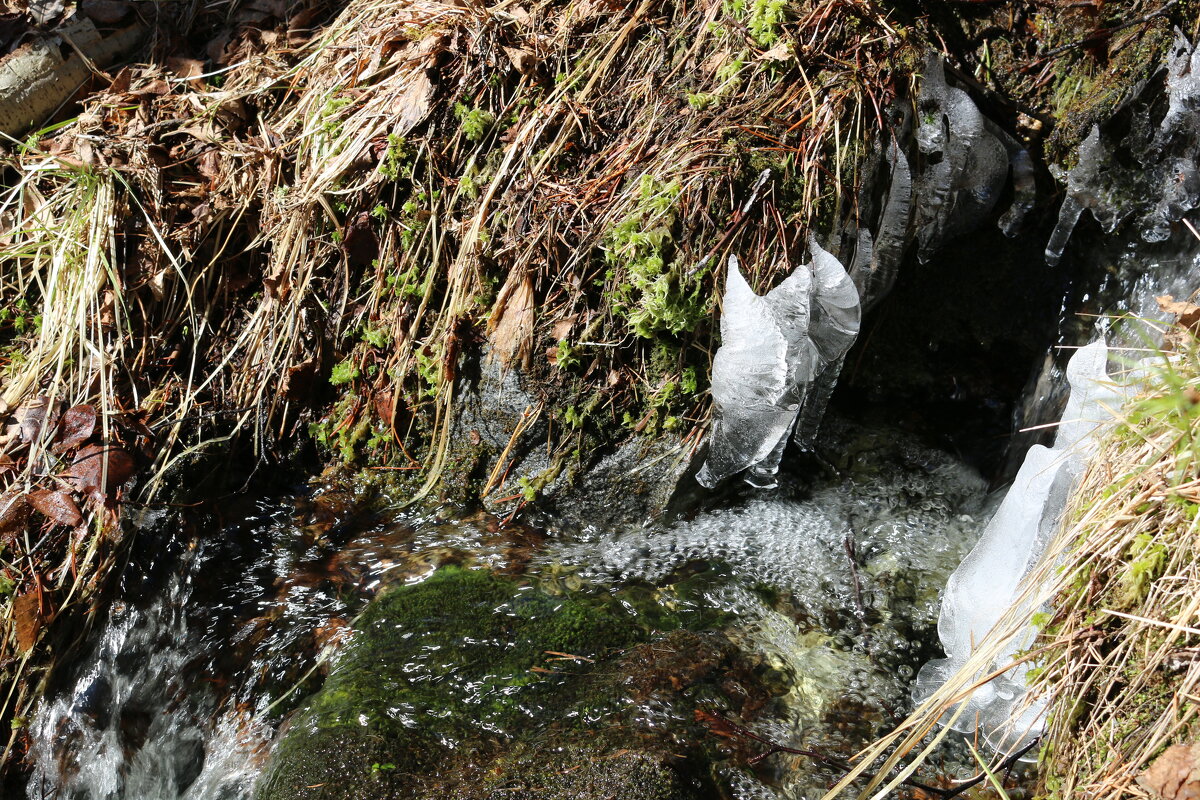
column 524, row 60
column 298, row 382
column 34, row 414
column 383, row 402
column 510, row 328
column 332, row 633
column 104, row 12
column 209, row 164
column 27, row 611
column 1175, row 775
column 562, row 328
column 77, row 425
column 780, row 52
column 14, row 514
column 155, row 88
column 56, row 506
column 359, row 241
column 98, row 470
column 1188, row 314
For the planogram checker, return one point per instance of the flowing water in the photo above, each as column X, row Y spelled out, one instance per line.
column 831, row 585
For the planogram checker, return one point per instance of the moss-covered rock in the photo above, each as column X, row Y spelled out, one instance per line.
column 469, row 685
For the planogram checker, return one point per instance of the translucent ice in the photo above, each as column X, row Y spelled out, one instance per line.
column 877, row 259
column 1147, row 173
column 966, row 163
column 773, row 350
column 835, row 321
column 987, row 582
column 1093, row 183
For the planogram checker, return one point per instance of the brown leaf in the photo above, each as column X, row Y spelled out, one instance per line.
column 298, row 382
column 98, row 470
column 1175, row 775
column 104, row 12
column 27, row 611
column 717, row 726
column 1188, row 313
column 510, row 328
column 34, row 414
column 359, row 240
column 524, row 60
column 209, row 164
column 56, row 506
column 185, row 68
column 77, row 425
column 562, row 328
column 14, row 513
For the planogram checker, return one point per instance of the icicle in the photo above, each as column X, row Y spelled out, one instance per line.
column 754, row 388
column 772, row 350
column 1163, row 186
column 967, row 163
column 836, row 315
column 875, row 274
column 1024, row 190
column 1089, row 185
column 987, row 581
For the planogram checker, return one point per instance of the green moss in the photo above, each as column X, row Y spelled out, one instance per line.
column 766, row 20
column 651, row 293
column 1145, row 562
column 343, row 372
column 1086, row 93
column 475, row 122
column 456, row 686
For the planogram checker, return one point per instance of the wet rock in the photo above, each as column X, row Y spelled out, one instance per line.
column 470, row 686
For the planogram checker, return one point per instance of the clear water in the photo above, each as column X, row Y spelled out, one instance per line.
column 174, row 699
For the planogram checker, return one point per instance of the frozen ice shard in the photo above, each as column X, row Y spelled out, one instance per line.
column 754, row 393
column 1150, row 174
column 967, row 164
column 773, row 349
column 1092, row 184
column 877, row 258
column 988, row 581
column 836, row 315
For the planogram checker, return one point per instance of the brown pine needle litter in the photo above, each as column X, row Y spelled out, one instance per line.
column 1117, row 655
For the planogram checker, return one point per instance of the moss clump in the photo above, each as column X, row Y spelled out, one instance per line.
column 648, row 290
column 436, row 667
column 1088, row 94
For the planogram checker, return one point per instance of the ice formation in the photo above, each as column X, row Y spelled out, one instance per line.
column 877, row 259
column 1163, row 183
column 967, row 164
column 987, row 582
column 836, row 315
column 777, row 352
column 945, row 189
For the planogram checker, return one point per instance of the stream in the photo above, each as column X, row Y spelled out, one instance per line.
column 828, row 586
column 822, row 597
